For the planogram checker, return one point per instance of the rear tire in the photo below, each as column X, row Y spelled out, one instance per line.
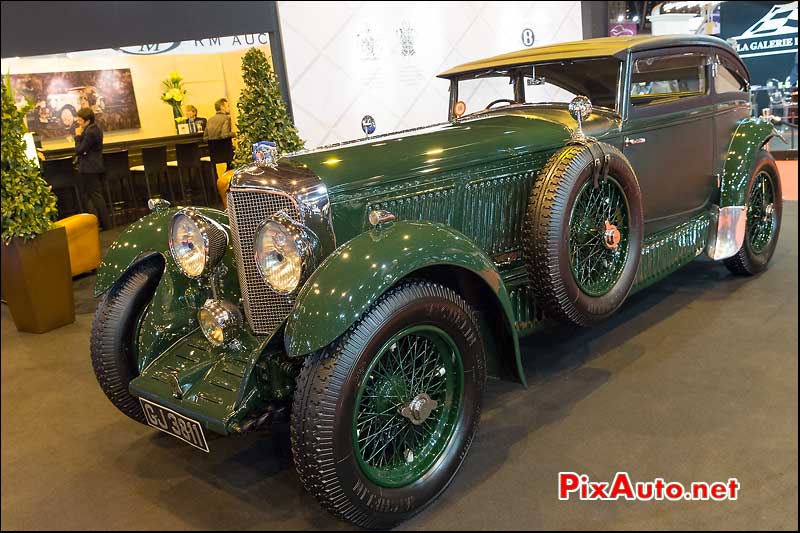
column 763, row 222
column 114, row 333
column 355, row 445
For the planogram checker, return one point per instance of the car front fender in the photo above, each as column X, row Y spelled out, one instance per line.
column 354, row 276
column 147, row 235
column 172, row 312
column 750, row 135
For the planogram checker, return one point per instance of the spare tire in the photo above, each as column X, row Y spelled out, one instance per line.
column 583, row 233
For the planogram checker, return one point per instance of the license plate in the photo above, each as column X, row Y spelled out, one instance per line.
column 175, row 424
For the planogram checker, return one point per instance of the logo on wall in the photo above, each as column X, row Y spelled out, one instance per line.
column 368, row 125
column 406, row 33
column 774, row 33
column 368, row 44
column 528, row 38
column 619, row 29
column 149, row 49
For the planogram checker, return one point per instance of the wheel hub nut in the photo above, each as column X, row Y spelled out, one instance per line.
column 419, row 409
column 769, row 211
column 611, row 236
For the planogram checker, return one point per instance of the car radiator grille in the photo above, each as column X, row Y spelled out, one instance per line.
column 264, row 308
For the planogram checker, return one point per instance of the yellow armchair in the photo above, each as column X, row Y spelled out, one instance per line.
column 223, row 182
column 83, row 242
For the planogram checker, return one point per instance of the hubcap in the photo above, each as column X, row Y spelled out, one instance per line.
column 761, row 216
column 407, row 406
column 598, row 236
column 612, row 236
column 419, row 409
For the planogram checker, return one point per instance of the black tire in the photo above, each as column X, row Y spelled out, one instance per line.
column 114, row 332
column 748, row 262
column 325, row 400
column 546, row 232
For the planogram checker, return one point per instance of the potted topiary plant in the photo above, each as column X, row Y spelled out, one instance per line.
column 262, row 113
column 36, row 277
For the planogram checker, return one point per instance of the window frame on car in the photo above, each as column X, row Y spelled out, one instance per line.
column 679, row 103
column 518, row 82
column 724, row 63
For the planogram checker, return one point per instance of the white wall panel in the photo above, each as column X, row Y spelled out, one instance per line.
column 348, row 59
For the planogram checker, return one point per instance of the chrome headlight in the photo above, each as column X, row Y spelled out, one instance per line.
column 196, row 243
column 283, row 250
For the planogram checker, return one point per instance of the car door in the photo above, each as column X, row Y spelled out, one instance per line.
column 668, row 133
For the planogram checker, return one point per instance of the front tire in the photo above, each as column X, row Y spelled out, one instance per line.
column 383, row 418
column 764, row 213
column 114, row 333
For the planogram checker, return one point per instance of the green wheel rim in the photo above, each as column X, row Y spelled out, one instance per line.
column 598, row 236
column 391, row 450
column 761, row 216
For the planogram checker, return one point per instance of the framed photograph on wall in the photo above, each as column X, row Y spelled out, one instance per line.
column 57, row 97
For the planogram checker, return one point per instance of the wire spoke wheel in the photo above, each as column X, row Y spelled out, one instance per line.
column 761, row 215
column 598, row 236
column 407, row 406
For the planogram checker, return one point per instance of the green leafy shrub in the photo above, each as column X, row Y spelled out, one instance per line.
column 262, row 113
column 28, row 203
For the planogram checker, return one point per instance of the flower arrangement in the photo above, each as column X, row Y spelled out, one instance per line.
column 174, row 94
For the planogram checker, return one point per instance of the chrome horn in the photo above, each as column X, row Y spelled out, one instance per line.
column 580, row 108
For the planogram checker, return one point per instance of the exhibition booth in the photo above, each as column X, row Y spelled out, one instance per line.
column 480, row 265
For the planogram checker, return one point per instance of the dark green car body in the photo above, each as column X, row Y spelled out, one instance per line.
column 459, row 193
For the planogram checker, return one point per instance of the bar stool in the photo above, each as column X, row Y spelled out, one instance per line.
column 156, row 173
column 190, row 173
column 58, row 173
column 221, row 151
column 119, row 186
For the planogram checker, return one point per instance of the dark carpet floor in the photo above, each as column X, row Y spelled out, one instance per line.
column 694, row 380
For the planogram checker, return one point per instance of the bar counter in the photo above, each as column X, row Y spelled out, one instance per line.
column 134, row 147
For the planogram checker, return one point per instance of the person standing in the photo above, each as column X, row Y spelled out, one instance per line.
column 219, row 126
column 89, row 151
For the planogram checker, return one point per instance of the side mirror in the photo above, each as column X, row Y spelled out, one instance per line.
column 580, row 108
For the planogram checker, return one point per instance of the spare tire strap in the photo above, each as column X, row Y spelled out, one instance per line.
column 600, row 161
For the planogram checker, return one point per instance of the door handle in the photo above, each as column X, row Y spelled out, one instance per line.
column 629, row 141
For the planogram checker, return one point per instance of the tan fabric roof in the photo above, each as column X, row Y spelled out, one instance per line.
column 601, row 47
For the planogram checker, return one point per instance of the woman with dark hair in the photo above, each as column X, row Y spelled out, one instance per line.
column 89, row 151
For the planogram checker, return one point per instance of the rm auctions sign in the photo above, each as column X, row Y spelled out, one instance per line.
column 207, row 45
column 210, row 45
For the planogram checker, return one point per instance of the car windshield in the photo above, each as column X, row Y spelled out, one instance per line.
column 545, row 82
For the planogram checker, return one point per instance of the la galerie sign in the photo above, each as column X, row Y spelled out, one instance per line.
column 209, row 45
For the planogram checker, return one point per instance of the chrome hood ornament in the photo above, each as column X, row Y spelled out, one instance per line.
column 265, row 154
column 580, row 108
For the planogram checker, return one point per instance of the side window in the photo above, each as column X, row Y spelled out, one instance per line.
column 727, row 81
column 662, row 79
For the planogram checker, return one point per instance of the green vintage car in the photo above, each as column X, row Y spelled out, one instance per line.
column 364, row 291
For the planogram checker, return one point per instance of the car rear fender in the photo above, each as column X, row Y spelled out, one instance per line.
column 750, row 136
